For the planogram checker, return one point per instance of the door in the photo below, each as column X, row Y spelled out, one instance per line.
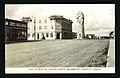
column 58, row 35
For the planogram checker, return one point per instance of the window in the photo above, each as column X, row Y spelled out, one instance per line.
column 33, row 35
column 18, row 24
column 39, row 21
column 46, row 34
column 51, row 34
column 6, row 22
column 28, row 35
column 51, row 20
column 52, row 27
column 79, row 34
column 23, row 25
column 39, row 27
column 45, row 20
column 45, row 27
column 12, row 24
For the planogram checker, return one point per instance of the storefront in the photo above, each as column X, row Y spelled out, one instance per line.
column 15, row 30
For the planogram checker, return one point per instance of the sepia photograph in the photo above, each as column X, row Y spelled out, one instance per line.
column 59, row 38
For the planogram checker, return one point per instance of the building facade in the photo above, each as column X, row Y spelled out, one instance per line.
column 53, row 27
column 15, row 30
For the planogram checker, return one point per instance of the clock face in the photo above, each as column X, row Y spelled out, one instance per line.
column 79, row 15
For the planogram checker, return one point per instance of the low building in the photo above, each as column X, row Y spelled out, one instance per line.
column 15, row 30
column 53, row 27
column 112, row 34
column 104, row 37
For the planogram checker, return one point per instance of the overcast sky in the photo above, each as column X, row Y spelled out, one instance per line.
column 99, row 18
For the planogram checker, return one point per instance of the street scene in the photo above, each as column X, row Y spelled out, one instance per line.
column 56, row 36
column 58, row 53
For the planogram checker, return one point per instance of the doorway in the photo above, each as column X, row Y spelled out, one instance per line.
column 58, row 35
column 43, row 37
column 37, row 35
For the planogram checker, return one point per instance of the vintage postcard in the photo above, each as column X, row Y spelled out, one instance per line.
column 59, row 38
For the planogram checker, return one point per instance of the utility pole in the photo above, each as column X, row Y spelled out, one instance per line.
column 34, row 28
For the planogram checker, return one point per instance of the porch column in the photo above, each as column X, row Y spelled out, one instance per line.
column 55, row 35
column 60, row 35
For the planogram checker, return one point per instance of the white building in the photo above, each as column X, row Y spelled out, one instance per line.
column 53, row 27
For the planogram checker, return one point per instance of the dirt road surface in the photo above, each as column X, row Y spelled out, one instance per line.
column 56, row 53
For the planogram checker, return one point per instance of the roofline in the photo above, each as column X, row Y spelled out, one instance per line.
column 15, row 20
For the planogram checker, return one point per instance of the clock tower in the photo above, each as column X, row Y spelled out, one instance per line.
column 80, row 24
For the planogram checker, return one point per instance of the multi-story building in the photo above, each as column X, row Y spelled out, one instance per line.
column 15, row 30
column 31, row 27
column 53, row 27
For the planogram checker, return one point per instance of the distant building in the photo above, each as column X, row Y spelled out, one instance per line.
column 74, row 34
column 53, row 27
column 90, row 36
column 104, row 37
column 97, row 37
column 112, row 34
column 15, row 30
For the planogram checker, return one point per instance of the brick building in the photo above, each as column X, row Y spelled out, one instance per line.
column 15, row 30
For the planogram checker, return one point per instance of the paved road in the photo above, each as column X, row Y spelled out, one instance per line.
column 56, row 53
column 111, row 54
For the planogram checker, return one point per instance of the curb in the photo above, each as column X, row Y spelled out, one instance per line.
column 109, row 56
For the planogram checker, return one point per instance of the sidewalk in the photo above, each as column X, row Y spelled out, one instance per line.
column 111, row 54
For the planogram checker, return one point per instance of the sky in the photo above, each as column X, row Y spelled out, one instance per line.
column 99, row 18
